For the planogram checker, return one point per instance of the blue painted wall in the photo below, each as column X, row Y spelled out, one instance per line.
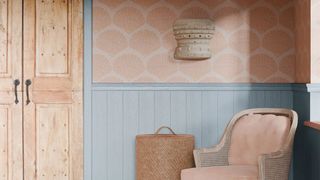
column 307, row 143
column 121, row 111
column 301, row 104
column 312, row 136
column 312, row 143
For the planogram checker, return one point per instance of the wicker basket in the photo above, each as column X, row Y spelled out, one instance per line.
column 163, row 156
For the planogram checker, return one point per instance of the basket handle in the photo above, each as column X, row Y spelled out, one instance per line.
column 165, row 127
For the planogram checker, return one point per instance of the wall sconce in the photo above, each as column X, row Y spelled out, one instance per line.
column 193, row 37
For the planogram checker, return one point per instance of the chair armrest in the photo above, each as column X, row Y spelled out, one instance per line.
column 215, row 156
column 275, row 166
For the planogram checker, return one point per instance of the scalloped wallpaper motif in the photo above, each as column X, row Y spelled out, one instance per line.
column 253, row 41
column 302, row 21
column 315, row 41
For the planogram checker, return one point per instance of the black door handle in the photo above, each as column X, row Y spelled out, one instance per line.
column 16, row 84
column 28, row 83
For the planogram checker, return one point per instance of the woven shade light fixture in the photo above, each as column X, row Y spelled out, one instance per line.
column 193, row 37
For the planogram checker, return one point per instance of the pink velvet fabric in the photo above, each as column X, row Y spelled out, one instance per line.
column 221, row 173
column 257, row 134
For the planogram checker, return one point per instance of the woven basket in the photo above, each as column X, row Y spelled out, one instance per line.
column 163, row 156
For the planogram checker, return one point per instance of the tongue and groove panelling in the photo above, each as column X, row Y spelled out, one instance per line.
column 120, row 112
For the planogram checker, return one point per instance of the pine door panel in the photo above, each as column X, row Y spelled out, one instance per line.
column 54, row 37
column 11, row 159
column 10, row 43
column 5, row 116
column 4, row 39
column 53, row 143
column 53, row 140
column 11, row 151
column 53, row 137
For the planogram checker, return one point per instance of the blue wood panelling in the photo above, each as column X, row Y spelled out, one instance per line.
column 119, row 113
column 100, row 125
column 163, row 109
column 179, row 111
column 301, row 104
column 225, row 110
column 272, row 99
column 257, row 99
column 194, row 116
column 146, row 112
column 209, row 134
column 314, row 104
column 115, row 134
column 131, row 128
column 286, row 99
column 312, row 137
column 241, row 100
column 307, row 144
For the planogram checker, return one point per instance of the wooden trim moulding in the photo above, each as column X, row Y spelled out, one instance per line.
column 193, row 86
column 311, row 124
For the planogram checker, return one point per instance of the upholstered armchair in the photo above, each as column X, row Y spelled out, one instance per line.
column 256, row 145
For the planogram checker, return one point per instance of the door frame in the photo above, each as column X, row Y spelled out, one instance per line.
column 87, row 86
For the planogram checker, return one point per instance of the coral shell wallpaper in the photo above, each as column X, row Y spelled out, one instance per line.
column 133, row 41
column 303, row 36
column 315, row 41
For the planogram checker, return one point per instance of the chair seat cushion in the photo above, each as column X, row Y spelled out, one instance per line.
column 236, row 172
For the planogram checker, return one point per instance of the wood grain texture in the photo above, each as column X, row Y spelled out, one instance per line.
column 119, row 114
column 53, row 33
column 4, row 38
column 11, row 164
column 11, row 145
column 311, row 124
column 52, row 141
column 53, row 61
column 53, row 137
column 10, row 43
column 4, row 141
column 52, row 51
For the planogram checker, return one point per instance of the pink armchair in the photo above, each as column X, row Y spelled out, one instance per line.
column 256, row 145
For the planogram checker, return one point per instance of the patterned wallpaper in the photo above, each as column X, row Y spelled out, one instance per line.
column 253, row 41
column 315, row 41
column 302, row 24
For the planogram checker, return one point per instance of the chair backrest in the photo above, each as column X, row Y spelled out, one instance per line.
column 260, row 131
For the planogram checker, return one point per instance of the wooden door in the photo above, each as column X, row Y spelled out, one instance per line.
column 53, row 54
column 11, row 159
